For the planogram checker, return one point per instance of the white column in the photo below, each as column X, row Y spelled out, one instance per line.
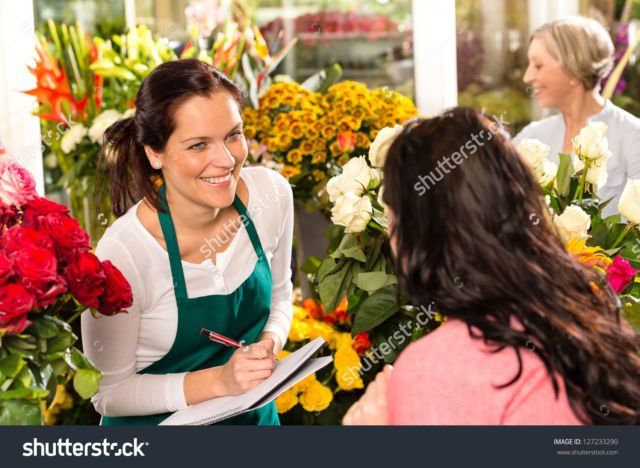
column 19, row 129
column 435, row 55
column 543, row 11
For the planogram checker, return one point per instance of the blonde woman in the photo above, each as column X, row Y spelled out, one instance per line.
column 568, row 60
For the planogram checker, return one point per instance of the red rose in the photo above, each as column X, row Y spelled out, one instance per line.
column 40, row 207
column 85, row 277
column 36, row 267
column 8, row 216
column 18, row 237
column 361, row 342
column 6, row 268
column 117, row 291
column 15, row 303
column 67, row 234
column 53, row 290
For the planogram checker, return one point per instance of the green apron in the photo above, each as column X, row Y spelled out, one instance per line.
column 240, row 315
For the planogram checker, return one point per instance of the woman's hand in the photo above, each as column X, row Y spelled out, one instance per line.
column 271, row 341
column 247, row 367
column 371, row 409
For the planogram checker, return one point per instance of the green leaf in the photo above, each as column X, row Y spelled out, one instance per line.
column 11, row 366
column 80, row 360
column 355, row 253
column 44, row 327
column 332, row 288
column 631, row 310
column 311, row 265
column 61, row 343
column 32, row 393
column 20, row 413
column 375, row 309
column 324, row 79
column 86, row 382
column 371, row 282
column 565, row 171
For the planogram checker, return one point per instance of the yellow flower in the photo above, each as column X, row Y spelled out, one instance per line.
column 304, row 383
column 346, row 358
column 299, row 313
column 322, row 329
column 306, row 147
column 320, row 145
column 349, row 379
column 286, row 401
column 283, row 354
column 329, row 131
column 311, row 133
column 300, row 330
column 316, row 397
column 592, row 256
column 289, row 171
column 335, row 149
column 294, row 156
column 318, row 175
column 362, row 141
column 319, row 157
column 296, row 130
column 249, row 132
column 343, row 160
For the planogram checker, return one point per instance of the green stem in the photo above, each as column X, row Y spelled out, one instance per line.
column 75, row 316
column 583, row 181
column 622, row 235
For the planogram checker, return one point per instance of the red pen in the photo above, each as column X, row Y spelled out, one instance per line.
column 218, row 338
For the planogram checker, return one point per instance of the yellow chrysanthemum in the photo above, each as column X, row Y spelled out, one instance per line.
column 294, row 156
column 289, row 171
column 316, row 397
column 286, row 401
column 319, row 157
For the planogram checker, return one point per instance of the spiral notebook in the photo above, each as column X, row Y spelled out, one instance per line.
column 287, row 372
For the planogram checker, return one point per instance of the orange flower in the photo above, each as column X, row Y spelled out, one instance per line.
column 347, row 141
column 592, row 256
column 289, row 171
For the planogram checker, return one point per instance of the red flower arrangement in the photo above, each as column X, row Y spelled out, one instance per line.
column 45, row 257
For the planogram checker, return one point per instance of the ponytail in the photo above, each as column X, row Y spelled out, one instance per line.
column 128, row 171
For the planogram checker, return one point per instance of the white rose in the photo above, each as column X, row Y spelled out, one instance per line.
column 597, row 174
column 629, row 204
column 380, row 147
column 546, row 173
column 534, row 152
column 574, row 223
column 352, row 212
column 72, row 138
column 101, row 123
column 591, row 142
column 356, row 177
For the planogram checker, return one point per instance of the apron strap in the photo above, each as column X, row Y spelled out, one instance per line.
column 251, row 229
column 169, row 232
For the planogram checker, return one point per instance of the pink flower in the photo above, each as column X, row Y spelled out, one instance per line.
column 17, row 186
column 620, row 274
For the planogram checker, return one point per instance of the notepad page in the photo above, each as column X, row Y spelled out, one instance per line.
column 212, row 410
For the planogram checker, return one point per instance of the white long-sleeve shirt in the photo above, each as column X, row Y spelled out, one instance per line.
column 623, row 134
column 121, row 345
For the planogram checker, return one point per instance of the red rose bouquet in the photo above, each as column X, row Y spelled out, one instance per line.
column 48, row 277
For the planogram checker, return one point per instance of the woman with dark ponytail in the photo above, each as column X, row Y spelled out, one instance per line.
column 195, row 256
column 531, row 336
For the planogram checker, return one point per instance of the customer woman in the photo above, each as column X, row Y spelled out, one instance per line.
column 194, row 255
column 532, row 336
column 568, row 59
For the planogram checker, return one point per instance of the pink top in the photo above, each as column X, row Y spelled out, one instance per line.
column 448, row 378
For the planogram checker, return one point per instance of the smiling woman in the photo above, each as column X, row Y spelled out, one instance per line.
column 177, row 184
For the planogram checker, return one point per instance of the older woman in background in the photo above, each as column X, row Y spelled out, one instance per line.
column 568, row 59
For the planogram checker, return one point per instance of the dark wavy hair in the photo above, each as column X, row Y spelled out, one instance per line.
column 477, row 240
column 123, row 159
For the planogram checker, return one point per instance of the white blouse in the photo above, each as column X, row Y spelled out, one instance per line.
column 623, row 135
column 121, row 345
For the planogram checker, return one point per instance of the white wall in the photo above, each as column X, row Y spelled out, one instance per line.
column 19, row 129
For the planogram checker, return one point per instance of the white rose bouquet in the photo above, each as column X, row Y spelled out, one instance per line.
column 608, row 243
